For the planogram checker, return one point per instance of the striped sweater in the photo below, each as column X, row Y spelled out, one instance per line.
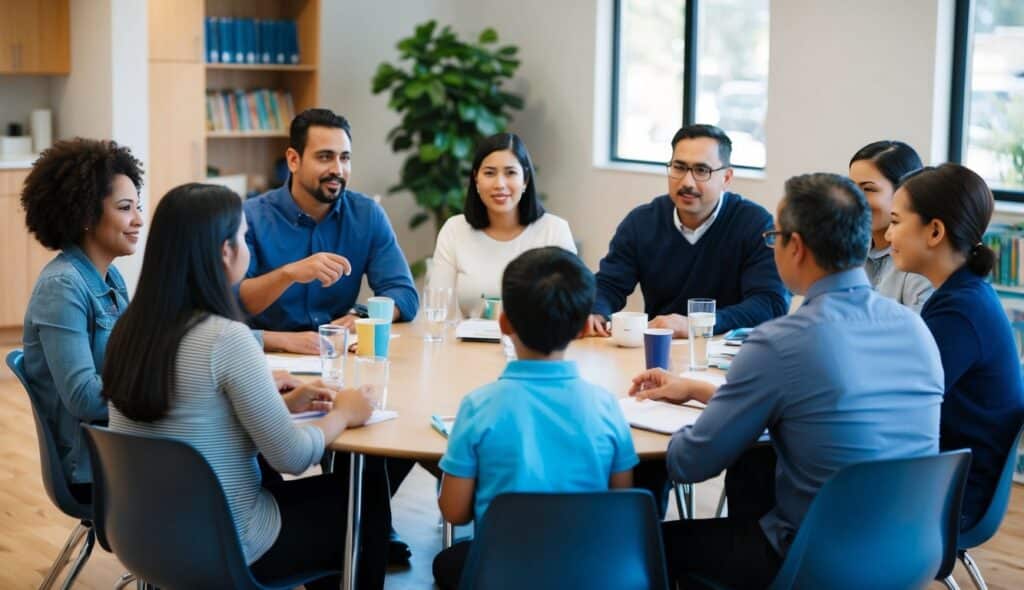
column 225, row 405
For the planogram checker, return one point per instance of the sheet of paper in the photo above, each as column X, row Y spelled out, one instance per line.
column 375, row 417
column 720, row 348
column 304, row 364
column 713, row 377
column 657, row 416
column 478, row 330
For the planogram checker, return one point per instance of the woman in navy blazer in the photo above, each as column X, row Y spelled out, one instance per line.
column 938, row 218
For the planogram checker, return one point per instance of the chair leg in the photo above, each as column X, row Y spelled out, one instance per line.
column 684, row 500
column 83, row 556
column 64, row 556
column 125, row 579
column 680, row 506
column 723, row 506
column 973, row 570
column 950, row 583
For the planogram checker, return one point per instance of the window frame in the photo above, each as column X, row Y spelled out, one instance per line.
column 963, row 32
column 689, row 106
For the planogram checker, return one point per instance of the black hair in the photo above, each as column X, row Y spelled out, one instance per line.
column 183, row 281
column 701, row 130
column 832, row 216
column 530, row 209
column 299, row 131
column 894, row 159
column 547, row 294
column 958, row 197
column 63, row 193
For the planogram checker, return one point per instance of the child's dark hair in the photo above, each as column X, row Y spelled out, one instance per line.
column 547, row 294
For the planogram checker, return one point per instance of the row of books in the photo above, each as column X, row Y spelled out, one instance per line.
column 1008, row 244
column 251, row 41
column 252, row 110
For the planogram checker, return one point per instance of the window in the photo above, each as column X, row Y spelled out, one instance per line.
column 987, row 127
column 689, row 61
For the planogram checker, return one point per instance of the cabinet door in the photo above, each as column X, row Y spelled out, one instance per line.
column 36, row 38
column 176, row 30
column 177, row 141
column 15, row 291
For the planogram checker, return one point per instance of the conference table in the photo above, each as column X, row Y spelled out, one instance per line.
column 428, row 378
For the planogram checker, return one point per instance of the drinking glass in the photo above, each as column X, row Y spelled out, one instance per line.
column 436, row 302
column 333, row 349
column 700, row 315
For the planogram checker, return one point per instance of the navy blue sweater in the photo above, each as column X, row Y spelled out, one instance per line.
column 984, row 402
column 729, row 263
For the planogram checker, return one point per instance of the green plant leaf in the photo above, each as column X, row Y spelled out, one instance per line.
column 508, row 50
column 441, row 140
column 488, row 35
column 419, row 219
column 415, row 89
column 485, row 122
column 430, row 152
column 400, row 143
column 513, row 100
column 435, row 90
column 425, row 31
column 461, row 146
column 452, row 78
column 467, row 111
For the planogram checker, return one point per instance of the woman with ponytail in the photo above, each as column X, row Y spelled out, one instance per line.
column 938, row 218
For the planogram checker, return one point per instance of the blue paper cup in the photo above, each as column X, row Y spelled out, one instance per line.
column 657, row 345
column 381, row 308
column 381, row 338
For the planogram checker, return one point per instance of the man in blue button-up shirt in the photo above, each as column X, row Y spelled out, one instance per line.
column 849, row 377
column 312, row 240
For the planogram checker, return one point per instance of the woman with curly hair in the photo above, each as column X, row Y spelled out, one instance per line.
column 81, row 198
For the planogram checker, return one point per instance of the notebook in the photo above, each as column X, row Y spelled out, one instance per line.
column 478, row 331
column 657, row 416
column 300, row 365
column 375, row 417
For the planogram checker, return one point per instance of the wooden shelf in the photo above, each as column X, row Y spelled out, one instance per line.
column 244, row 134
column 261, row 67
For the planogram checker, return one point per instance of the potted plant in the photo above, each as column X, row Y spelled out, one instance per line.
column 449, row 94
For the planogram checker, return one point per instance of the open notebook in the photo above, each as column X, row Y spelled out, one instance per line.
column 657, row 416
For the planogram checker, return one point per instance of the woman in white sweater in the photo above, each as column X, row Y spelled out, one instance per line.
column 502, row 218
column 180, row 364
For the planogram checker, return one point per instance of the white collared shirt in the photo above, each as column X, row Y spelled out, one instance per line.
column 692, row 235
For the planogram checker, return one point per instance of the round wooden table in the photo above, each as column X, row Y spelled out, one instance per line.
column 429, row 378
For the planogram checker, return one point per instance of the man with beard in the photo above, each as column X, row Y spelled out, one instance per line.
column 312, row 240
column 698, row 241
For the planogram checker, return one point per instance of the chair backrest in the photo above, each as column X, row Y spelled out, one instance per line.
column 54, row 480
column 989, row 522
column 160, row 508
column 579, row 540
column 881, row 524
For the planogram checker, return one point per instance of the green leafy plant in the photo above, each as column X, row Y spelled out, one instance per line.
column 449, row 96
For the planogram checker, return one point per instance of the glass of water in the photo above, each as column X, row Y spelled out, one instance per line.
column 372, row 372
column 700, row 314
column 333, row 349
column 436, row 301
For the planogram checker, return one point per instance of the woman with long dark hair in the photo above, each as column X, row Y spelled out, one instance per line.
column 939, row 216
column 180, row 363
column 502, row 219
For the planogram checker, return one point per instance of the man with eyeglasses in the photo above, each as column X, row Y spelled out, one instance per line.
column 851, row 376
column 696, row 241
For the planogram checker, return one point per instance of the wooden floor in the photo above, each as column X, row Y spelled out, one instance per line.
column 32, row 531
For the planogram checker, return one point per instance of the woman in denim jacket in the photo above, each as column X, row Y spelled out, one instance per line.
column 81, row 198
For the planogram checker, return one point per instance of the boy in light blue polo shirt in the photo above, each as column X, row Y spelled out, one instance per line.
column 540, row 427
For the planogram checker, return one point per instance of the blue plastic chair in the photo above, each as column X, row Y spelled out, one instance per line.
column 988, row 524
column 578, row 540
column 161, row 509
column 57, row 487
column 889, row 524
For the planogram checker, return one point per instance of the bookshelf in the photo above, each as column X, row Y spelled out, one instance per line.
column 182, row 147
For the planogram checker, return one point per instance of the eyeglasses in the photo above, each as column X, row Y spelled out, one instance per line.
column 771, row 237
column 701, row 172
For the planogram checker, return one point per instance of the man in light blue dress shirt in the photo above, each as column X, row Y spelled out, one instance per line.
column 851, row 376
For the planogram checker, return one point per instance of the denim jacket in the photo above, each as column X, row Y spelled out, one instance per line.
column 68, row 321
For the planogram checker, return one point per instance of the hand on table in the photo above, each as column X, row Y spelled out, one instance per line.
column 675, row 322
column 295, row 342
column 658, row 384
column 347, row 321
column 308, row 397
column 354, row 405
column 596, row 326
column 284, row 381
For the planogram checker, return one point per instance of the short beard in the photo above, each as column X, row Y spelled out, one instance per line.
column 328, row 199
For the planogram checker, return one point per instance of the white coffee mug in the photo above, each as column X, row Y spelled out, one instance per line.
column 628, row 328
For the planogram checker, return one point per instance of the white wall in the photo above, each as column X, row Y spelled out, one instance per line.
column 107, row 93
column 842, row 74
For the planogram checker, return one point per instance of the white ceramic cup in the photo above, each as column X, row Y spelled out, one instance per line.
column 628, row 328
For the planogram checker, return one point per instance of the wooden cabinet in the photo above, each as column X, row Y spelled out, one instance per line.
column 177, row 148
column 21, row 257
column 35, row 37
column 176, row 31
